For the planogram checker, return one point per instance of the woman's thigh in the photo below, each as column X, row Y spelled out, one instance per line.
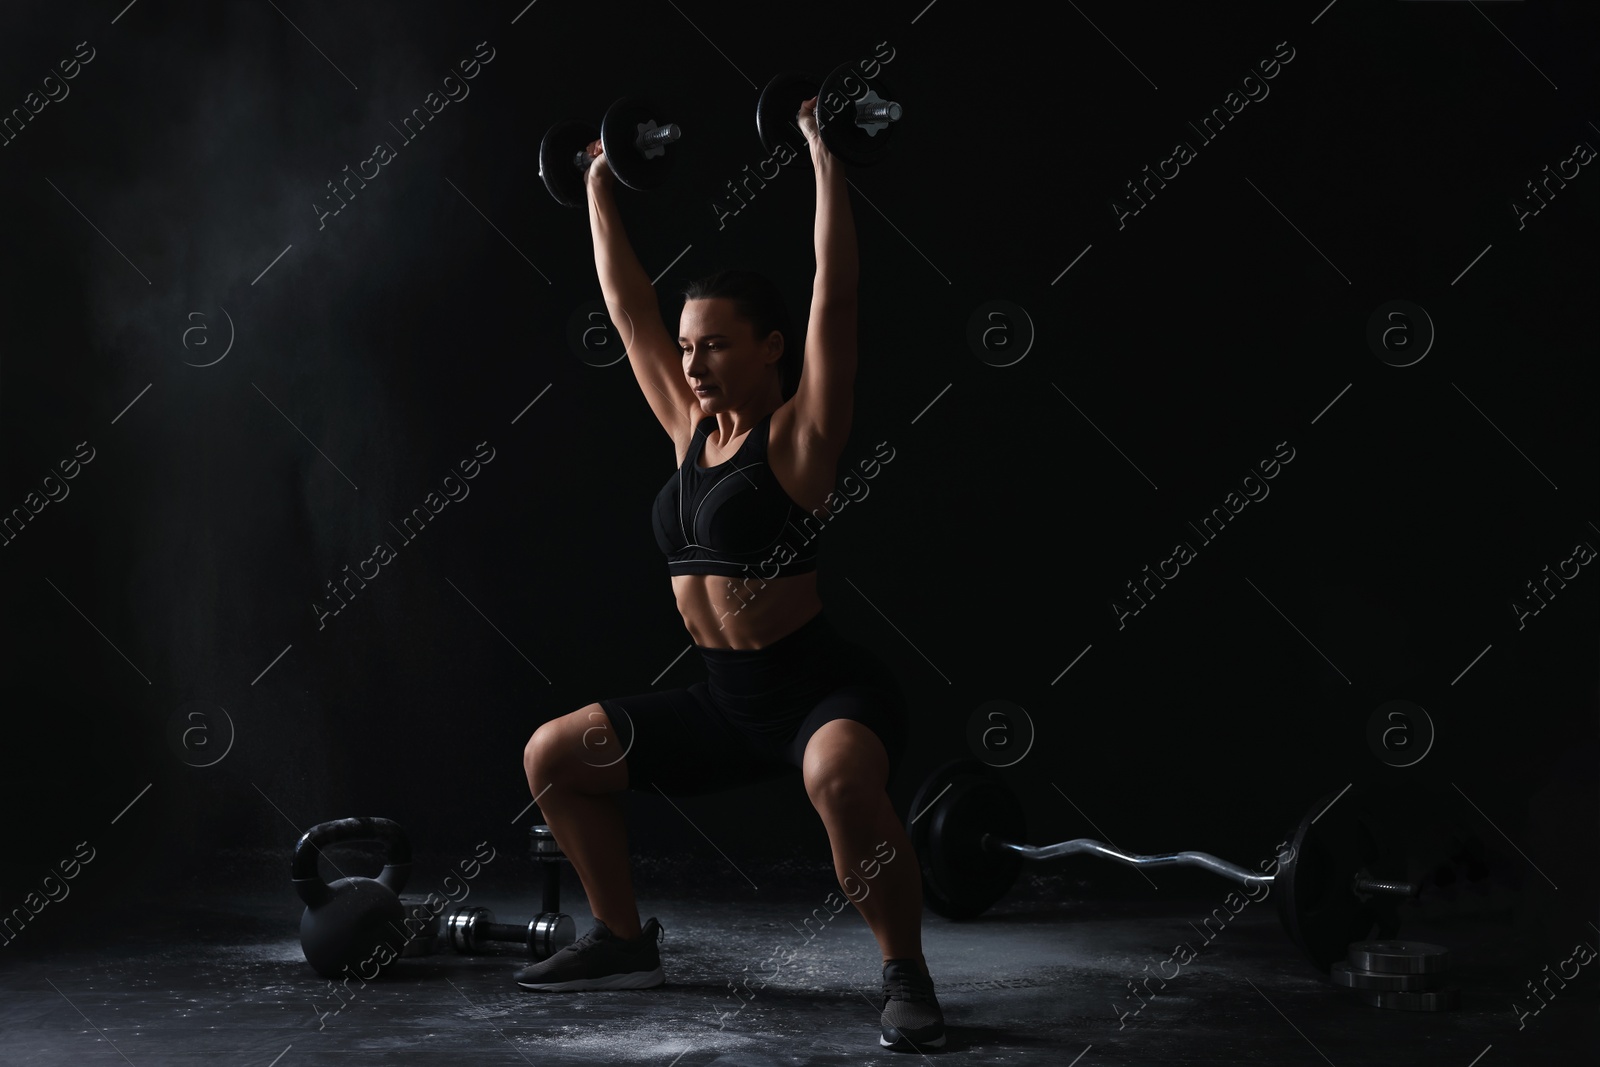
column 867, row 693
column 689, row 741
column 877, row 708
column 678, row 742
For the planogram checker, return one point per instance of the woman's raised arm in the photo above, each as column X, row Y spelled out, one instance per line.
column 824, row 401
column 631, row 302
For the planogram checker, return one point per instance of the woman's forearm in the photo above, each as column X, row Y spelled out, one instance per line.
column 622, row 278
column 837, row 264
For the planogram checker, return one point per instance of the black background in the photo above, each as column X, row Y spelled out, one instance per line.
column 1177, row 352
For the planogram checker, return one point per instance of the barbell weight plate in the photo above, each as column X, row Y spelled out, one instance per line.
column 779, row 104
column 952, row 811
column 917, row 826
column 620, row 129
column 1399, row 957
column 1317, row 903
column 1433, row 1000
column 836, row 111
column 1347, row 976
column 562, row 142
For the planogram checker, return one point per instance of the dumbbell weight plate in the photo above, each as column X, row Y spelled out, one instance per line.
column 836, row 113
column 618, row 132
column 460, row 929
column 552, row 932
column 1399, row 957
column 1436, row 1000
column 779, row 104
column 1316, row 899
column 1348, row 977
column 542, row 843
column 562, row 142
column 951, row 812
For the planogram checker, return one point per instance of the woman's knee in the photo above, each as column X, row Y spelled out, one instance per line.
column 845, row 767
column 555, row 754
column 549, row 750
column 844, row 789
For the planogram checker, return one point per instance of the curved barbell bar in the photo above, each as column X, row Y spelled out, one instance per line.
column 1204, row 860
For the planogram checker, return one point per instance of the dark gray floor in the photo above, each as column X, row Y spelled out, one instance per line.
column 218, row 977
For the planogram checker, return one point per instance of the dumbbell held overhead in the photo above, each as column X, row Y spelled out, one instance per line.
column 634, row 142
column 856, row 116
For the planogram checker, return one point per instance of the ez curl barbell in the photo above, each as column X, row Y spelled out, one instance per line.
column 967, row 830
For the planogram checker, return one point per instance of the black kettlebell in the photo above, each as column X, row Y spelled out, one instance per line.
column 353, row 926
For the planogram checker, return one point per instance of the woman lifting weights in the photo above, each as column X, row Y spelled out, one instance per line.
column 758, row 432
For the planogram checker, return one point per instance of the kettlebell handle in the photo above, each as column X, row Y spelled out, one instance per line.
column 303, row 868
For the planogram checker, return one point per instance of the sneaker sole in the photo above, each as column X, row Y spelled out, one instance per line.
column 636, row 980
column 904, row 1044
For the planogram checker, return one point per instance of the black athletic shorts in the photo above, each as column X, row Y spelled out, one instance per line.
column 751, row 719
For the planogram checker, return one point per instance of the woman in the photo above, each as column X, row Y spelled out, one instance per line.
column 758, row 434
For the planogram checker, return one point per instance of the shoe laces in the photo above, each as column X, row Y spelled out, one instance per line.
column 908, row 986
column 584, row 941
column 597, row 934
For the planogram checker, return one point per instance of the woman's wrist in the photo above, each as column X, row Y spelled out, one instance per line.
column 603, row 201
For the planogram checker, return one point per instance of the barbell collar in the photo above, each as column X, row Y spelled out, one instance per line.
column 1088, row 846
column 1390, row 889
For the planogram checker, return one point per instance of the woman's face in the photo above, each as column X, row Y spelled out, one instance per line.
column 722, row 354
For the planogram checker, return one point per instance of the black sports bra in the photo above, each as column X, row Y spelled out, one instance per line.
column 733, row 518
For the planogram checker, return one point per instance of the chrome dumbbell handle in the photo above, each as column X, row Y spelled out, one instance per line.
column 649, row 141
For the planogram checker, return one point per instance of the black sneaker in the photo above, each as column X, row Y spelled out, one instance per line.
column 912, row 1020
column 600, row 960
